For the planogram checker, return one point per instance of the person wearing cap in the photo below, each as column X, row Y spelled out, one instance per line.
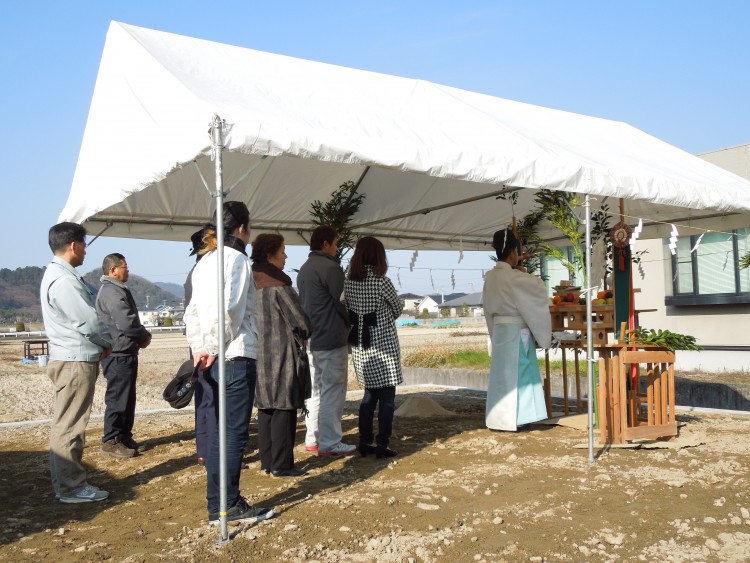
column 516, row 309
column 205, row 407
column 78, row 341
column 116, row 308
column 240, row 353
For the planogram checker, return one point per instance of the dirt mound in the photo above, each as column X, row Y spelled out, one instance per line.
column 419, row 406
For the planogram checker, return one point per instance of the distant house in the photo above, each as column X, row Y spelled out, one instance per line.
column 471, row 301
column 429, row 304
column 433, row 302
column 410, row 301
column 149, row 317
column 441, row 298
column 155, row 317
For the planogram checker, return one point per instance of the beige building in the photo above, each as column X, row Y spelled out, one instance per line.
column 703, row 292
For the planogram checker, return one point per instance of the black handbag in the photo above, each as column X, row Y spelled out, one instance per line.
column 302, row 389
column 179, row 391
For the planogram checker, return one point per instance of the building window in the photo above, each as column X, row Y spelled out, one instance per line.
column 711, row 274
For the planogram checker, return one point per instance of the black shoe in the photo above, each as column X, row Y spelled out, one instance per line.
column 242, row 512
column 117, row 448
column 382, row 451
column 365, row 449
column 133, row 445
column 288, row 473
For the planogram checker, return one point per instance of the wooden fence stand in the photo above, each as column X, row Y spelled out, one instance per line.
column 645, row 411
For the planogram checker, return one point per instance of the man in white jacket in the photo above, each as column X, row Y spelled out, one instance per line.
column 241, row 338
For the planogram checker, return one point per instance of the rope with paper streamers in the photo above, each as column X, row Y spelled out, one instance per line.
column 697, row 243
column 637, row 231
column 681, row 226
column 673, row 241
column 633, row 238
column 636, row 234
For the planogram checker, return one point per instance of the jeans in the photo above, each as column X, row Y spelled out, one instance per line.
column 206, row 415
column 240, row 394
column 386, row 397
column 119, row 416
column 326, row 405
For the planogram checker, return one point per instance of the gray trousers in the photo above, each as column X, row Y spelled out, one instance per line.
column 326, row 405
column 73, row 384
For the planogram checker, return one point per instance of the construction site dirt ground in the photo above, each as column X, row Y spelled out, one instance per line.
column 456, row 492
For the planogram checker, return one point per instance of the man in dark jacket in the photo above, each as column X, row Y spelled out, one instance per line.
column 116, row 308
column 320, row 282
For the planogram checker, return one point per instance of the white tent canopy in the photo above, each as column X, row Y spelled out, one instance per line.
column 430, row 159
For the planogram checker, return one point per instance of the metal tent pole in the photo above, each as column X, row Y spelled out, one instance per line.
column 589, row 333
column 217, row 136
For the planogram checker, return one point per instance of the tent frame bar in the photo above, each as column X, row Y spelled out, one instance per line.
column 426, row 210
column 217, row 140
column 589, row 333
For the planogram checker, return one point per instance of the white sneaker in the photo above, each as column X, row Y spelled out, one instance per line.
column 339, row 449
column 89, row 493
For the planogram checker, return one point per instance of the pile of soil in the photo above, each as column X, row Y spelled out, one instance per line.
column 420, row 406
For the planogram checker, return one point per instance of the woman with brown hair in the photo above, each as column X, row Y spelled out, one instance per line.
column 374, row 306
column 281, row 325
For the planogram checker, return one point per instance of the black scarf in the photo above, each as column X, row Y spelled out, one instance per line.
column 234, row 242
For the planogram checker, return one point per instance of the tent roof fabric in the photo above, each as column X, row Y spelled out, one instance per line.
column 433, row 161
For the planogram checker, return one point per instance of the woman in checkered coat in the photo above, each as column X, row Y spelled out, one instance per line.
column 374, row 306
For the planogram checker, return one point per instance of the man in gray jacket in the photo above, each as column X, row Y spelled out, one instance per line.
column 320, row 282
column 116, row 308
column 78, row 341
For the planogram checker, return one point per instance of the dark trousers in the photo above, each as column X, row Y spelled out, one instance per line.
column 206, row 416
column 385, row 397
column 276, row 430
column 240, row 394
column 119, row 414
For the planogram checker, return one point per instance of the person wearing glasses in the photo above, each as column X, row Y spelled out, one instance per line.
column 116, row 308
column 78, row 341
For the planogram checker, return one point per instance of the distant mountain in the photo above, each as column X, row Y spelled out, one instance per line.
column 19, row 293
column 176, row 288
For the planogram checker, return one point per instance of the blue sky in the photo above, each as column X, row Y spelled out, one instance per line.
column 675, row 69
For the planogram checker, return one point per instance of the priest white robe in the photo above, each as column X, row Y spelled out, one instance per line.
column 516, row 308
